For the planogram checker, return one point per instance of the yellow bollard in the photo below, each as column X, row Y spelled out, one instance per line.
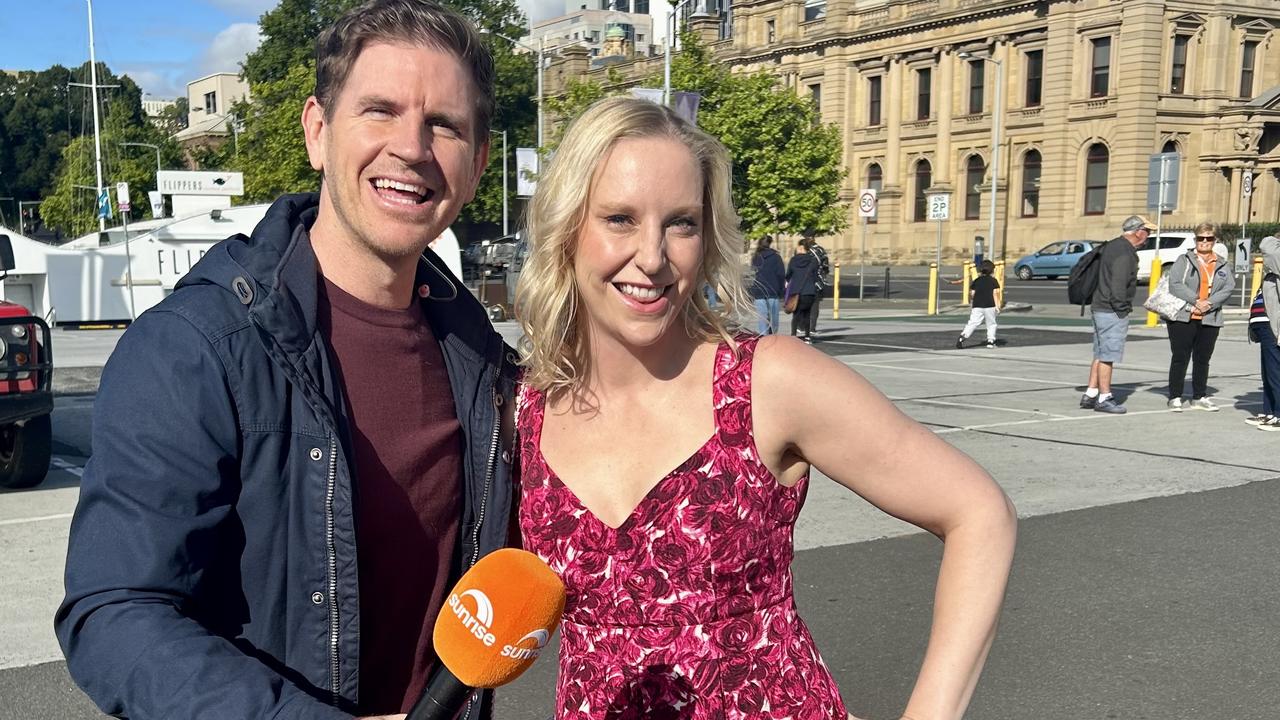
column 1152, row 318
column 998, row 274
column 965, row 270
column 1257, row 278
column 835, row 297
column 933, row 289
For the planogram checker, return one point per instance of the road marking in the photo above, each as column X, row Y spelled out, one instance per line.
column 976, row 406
column 965, row 374
column 77, row 470
column 41, row 518
column 1090, row 415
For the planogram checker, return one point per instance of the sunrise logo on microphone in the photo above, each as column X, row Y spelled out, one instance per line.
column 539, row 638
column 478, row 622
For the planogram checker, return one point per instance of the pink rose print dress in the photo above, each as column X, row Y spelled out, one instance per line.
column 685, row 610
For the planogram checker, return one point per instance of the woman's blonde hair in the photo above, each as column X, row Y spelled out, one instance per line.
column 554, row 346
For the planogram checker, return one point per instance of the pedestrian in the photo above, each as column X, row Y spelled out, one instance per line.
column 1264, row 329
column 1203, row 280
column 1112, row 303
column 821, row 282
column 802, row 281
column 984, row 301
column 298, row 451
column 679, row 586
column 768, row 287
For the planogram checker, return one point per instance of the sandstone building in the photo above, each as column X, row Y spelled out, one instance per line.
column 1091, row 89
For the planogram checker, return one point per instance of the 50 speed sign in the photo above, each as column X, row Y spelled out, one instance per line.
column 867, row 203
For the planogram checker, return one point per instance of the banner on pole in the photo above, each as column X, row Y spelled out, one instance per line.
column 526, row 171
column 104, row 204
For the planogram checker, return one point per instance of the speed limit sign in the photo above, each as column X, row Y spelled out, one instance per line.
column 867, row 203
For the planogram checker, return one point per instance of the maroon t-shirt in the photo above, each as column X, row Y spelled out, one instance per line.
column 408, row 496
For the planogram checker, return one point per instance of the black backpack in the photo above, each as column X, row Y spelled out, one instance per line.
column 824, row 266
column 1083, row 281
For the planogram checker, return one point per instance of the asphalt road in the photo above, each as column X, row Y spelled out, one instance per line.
column 1145, row 581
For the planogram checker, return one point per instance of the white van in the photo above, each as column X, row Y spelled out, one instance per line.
column 1171, row 246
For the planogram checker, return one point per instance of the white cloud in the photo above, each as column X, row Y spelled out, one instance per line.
column 229, row 49
column 248, row 8
column 158, row 84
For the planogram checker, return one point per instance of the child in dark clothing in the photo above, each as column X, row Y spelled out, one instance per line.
column 985, row 299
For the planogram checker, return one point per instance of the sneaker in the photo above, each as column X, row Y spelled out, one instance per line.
column 1204, row 403
column 1176, row 404
column 809, row 341
column 991, row 343
column 1258, row 419
column 1271, row 425
column 1109, row 406
column 1087, row 403
column 960, row 343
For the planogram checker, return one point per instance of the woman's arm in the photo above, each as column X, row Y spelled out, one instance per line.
column 1179, row 274
column 810, row 406
column 1223, row 284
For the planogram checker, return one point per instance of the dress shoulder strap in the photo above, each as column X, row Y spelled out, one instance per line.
column 731, row 389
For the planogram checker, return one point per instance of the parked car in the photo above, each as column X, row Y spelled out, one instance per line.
column 1171, row 245
column 1053, row 260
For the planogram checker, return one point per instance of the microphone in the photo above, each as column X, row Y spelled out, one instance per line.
column 495, row 623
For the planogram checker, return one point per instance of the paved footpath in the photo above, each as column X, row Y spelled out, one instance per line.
column 1144, row 585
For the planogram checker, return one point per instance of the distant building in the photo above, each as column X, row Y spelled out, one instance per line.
column 210, row 100
column 154, row 109
column 1088, row 91
column 590, row 26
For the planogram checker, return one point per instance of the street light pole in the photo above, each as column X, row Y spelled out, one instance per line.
column 996, row 110
column 506, row 229
column 147, row 145
column 666, row 55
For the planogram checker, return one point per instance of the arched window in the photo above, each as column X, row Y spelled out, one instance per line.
column 875, row 181
column 1097, row 165
column 924, row 178
column 1031, row 184
column 974, row 174
column 1170, row 147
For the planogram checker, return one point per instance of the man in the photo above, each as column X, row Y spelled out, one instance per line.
column 1112, row 303
column 299, row 450
column 824, row 272
column 768, row 285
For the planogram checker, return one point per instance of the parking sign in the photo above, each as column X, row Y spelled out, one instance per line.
column 939, row 206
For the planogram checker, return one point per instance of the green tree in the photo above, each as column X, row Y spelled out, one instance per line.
column 174, row 117
column 272, row 151
column 71, row 204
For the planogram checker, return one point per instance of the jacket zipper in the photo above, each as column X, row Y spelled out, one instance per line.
column 334, row 682
column 490, row 467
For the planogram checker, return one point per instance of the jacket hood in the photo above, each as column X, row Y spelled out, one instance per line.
column 1270, row 248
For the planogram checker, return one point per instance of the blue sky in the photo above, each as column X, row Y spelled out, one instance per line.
column 161, row 44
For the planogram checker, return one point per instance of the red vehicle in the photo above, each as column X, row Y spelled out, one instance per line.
column 26, row 389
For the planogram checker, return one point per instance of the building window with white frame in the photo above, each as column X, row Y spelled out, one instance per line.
column 875, row 86
column 770, row 31
column 977, row 85
column 975, row 172
column 815, row 94
column 924, row 179
column 1100, row 67
column 1031, row 184
column 924, row 93
column 1248, row 67
column 1035, row 78
column 814, row 9
column 211, row 102
column 1178, row 65
column 1097, row 166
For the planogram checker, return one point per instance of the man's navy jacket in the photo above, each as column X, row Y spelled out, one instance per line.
column 212, row 563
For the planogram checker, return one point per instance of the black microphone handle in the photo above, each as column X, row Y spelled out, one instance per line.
column 443, row 697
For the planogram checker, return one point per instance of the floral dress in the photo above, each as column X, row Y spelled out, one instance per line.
column 686, row 609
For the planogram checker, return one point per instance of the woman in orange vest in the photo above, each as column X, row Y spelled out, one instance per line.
column 1204, row 280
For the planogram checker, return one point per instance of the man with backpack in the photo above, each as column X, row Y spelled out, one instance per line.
column 1115, row 268
column 822, row 282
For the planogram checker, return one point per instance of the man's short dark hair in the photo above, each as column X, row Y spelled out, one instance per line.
column 416, row 22
column 986, row 267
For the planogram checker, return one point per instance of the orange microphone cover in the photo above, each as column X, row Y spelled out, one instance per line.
column 498, row 618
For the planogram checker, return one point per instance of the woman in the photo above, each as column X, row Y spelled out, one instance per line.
column 802, row 280
column 676, row 554
column 1204, row 280
column 768, row 285
column 1264, row 329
